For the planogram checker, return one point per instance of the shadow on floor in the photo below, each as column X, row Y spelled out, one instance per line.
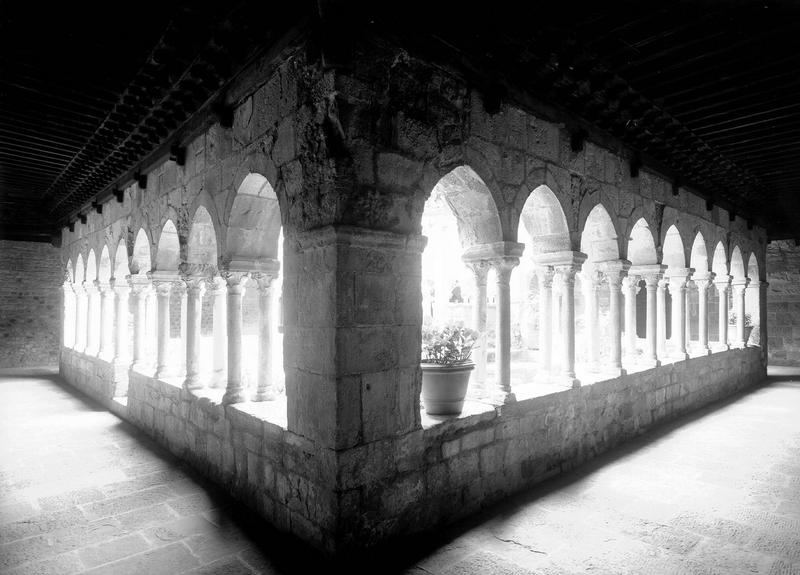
column 281, row 553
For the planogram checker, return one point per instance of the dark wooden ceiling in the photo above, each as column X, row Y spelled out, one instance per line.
column 708, row 92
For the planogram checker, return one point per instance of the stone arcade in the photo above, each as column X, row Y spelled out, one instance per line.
column 258, row 309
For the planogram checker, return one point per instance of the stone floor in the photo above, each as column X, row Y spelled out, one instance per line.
column 717, row 492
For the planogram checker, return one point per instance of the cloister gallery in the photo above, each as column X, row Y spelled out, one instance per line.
column 258, row 307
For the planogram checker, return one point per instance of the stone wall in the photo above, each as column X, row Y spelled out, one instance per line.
column 783, row 302
column 31, row 276
column 431, row 477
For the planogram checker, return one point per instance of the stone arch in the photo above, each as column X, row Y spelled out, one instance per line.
column 201, row 247
column 91, row 266
column 121, row 269
column 80, row 270
column 104, row 269
column 69, row 276
column 253, row 221
column 470, row 201
column 168, row 250
column 545, row 223
column 641, row 245
column 737, row 263
column 699, row 257
column 599, row 237
column 140, row 260
column 673, row 254
column 719, row 262
column 753, row 271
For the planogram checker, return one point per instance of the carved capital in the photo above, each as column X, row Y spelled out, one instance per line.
column 502, row 268
column 235, row 280
column 480, row 269
column 545, row 276
column 264, row 280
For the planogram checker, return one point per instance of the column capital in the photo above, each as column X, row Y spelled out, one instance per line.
column 120, row 285
column 722, row 280
column 235, row 280
column 264, row 279
column 591, row 277
column 139, row 284
column 560, row 259
column 90, row 287
column 480, row 268
column 68, row 287
column 680, row 274
column 648, row 272
column 102, row 287
column 492, row 251
column 614, row 270
column 631, row 283
column 703, row 280
column 740, row 282
column 663, row 282
column 195, row 283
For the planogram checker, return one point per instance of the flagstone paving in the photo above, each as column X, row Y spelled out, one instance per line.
column 715, row 493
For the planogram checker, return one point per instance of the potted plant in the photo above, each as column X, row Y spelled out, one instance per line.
column 446, row 366
column 748, row 324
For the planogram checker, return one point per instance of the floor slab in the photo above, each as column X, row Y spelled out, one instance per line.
column 717, row 492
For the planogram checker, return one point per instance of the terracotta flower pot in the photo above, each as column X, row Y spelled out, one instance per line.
column 444, row 387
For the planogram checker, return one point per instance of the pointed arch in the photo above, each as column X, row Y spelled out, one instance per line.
column 254, row 220
column 168, row 250
column 719, row 262
column 544, row 222
column 121, row 269
column 69, row 276
column 599, row 236
column 466, row 195
column 737, row 263
column 104, row 270
column 641, row 244
column 752, row 268
column 80, row 270
column 202, row 243
column 699, row 256
column 140, row 260
column 674, row 254
column 91, row 266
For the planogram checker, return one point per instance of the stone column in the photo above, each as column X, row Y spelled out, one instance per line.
column 630, row 287
column 686, row 310
column 651, row 348
column 81, row 309
column 121, row 338
column 106, row 350
column 179, row 362
column 163, row 290
column 661, row 318
column 140, row 289
column 614, row 289
column 566, row 278
column 502, row 348
column 480, row 268
column 677, row 289
column 590, row 280
column 235, row 391
column 544, row 275
column 723, row 283
column 265, row 390
column 703, row 282
column 68, row 325
column 739, row 286
column 92, row 319
column 220, row 336
column 194, row 306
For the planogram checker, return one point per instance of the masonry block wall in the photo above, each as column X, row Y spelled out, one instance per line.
column 783, row 302
column 351, row 157
column 31, row 278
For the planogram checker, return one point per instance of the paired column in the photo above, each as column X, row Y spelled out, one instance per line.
column 140, row 290
column 677, row 289
column 566, row 279
column 661, row 317
column 590, row 282
column 235, row 391
column 544, row 275
column 630, row 287
column 121, row 291
column 163, row 288
column 723, row 284
column 651, row 345
column 615, row 272
column 68, row 338
column 219, row 291
column 195, row 285
column 480, row 269
column 106, row 351
column 502, row 349
column 81, row 309
column 703, row 282
column 92, row 318
column 739, row 286
column 266, row 389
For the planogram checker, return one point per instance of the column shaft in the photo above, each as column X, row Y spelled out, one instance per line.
column 235, row 392
column 163, row 290
column 502, row 348
column 194, row 307
column 661, row 318
column 545, row 277
column 651, row 285
column 121, row 290
column 722, row 289
column 566, row 276
column 140, row 292
column 614, row 284
column 479, row 270
column 630, row 287
column 106, row 322
column 266, row 389
column 80, row 318
column 220, row 335
column 677, row 289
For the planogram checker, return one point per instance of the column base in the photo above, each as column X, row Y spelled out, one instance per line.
column 141, row 367
column 567, row 380
column 614, row 371
column 193, row 383
column 162, row 372
column 268, row 394
column 649, row 363
column 679, row 356
column 717, row 347
column 234, row 396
